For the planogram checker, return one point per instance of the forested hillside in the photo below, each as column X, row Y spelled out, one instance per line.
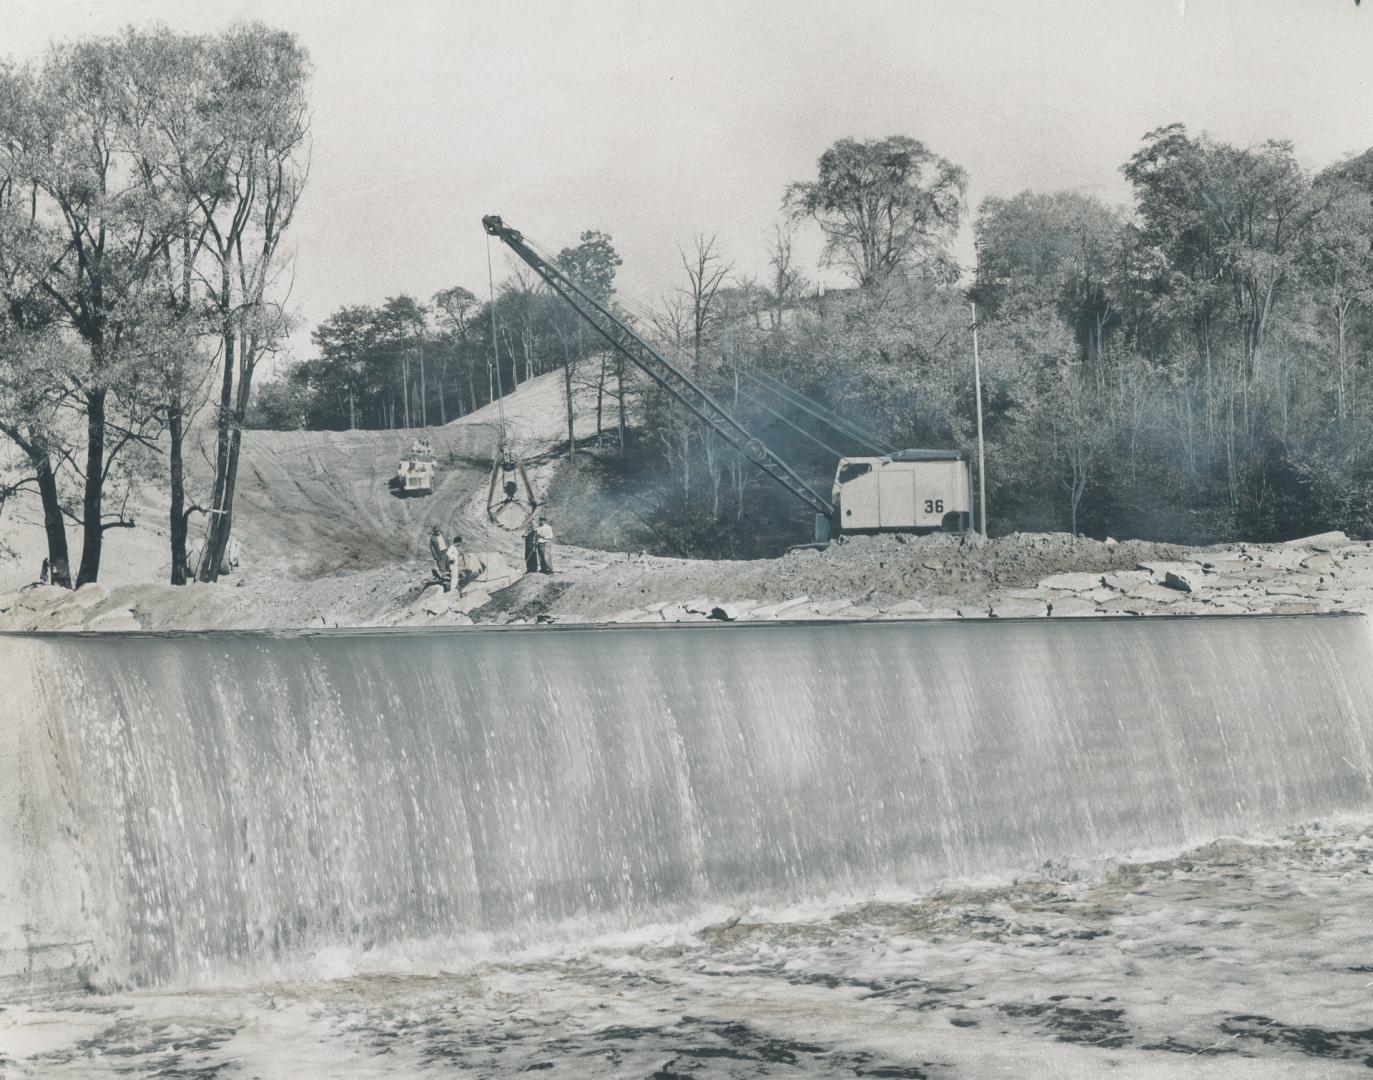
column 1189, row 367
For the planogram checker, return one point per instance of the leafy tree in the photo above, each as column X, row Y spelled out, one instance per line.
column 886, row 207
column 1337, row 259
column 88, row 239
column 454, row 309
column 591, row 265
column 252, row 161
column 1059, row 250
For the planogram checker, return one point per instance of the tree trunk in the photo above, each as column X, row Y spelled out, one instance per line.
column 443, row 407
column 600, row 405
column 92, row 533
column 59, row 565
column 176, row 517
column 424, row 391
column 620, row 386
column 229, row 337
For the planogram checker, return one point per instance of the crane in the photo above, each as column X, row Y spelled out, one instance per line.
column 858, row 478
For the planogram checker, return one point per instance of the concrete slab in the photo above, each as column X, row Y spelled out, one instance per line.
column 1072, row 582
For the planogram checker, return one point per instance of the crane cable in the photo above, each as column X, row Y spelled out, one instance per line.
column 788, row 394
column 495, row 344
column 505, row 464
column 826, row 416
column 768, row 382
column 797, row 427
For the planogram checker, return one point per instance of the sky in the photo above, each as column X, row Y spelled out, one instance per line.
column 658, row 121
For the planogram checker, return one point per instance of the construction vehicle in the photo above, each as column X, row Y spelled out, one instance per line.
column 903, row 491
column 415, row 473
column 910, row 490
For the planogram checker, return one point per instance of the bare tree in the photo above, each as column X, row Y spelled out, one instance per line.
column 706, row 271
column 787, row 282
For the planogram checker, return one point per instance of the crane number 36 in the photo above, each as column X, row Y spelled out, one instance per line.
column 934, row 506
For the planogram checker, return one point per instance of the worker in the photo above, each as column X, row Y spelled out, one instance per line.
column 438, row 547
column 531, row 551
column 459, row 564
column 543, row 542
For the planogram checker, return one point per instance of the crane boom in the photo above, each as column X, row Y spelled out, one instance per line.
column 661, row 370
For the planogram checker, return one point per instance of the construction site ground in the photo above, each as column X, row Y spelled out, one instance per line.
column 327, row 542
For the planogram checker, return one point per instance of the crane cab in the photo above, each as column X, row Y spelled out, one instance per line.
column 909, row 491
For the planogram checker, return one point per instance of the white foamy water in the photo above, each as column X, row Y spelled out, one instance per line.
column 1235, row 960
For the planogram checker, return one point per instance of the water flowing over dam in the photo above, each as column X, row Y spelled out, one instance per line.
column 176, row 806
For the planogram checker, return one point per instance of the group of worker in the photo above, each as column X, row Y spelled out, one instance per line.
column 538, row 546
column 456, row 569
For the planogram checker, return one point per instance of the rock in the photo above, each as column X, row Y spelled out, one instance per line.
column 469, row 602
column 1071, row 606
column 1320, row 541
column 1099, row 596
column 1111, row 541
column 627, row 615
column 791, row 605
column 1183, row 580
column 699, row 606
column 907, row 607
column 1282, row 558
column 826, row 608
column 1160, row 570
column 723, row 613
column 1123, row 605
column 427, row 595
column 1074, row 582
column 1299, row 607
column 89, row 595
column 1011, row 608
column 1158, row 594
column 1037, row 593
column 122, row 619
column 1295, row 588
column 1125, row 580
column 1318, row 564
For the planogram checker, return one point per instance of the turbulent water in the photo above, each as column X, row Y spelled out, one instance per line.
column 205, row 811
column 1246, row 961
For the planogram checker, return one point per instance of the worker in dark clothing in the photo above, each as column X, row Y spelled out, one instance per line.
column 531, row 551
column 543, row 543
column 438, row 547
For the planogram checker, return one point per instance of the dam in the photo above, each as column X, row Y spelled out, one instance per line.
column 192, row 808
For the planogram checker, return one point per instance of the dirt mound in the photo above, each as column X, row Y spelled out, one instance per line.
column 940, row 571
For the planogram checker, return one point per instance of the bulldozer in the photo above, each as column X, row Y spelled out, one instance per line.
column 415, row 473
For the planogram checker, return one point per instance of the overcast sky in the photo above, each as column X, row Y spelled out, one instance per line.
column 655, row 121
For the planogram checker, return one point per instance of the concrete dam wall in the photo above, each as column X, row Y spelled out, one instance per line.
column 176, row 806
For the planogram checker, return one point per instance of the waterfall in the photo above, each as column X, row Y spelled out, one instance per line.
column 174, row 806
